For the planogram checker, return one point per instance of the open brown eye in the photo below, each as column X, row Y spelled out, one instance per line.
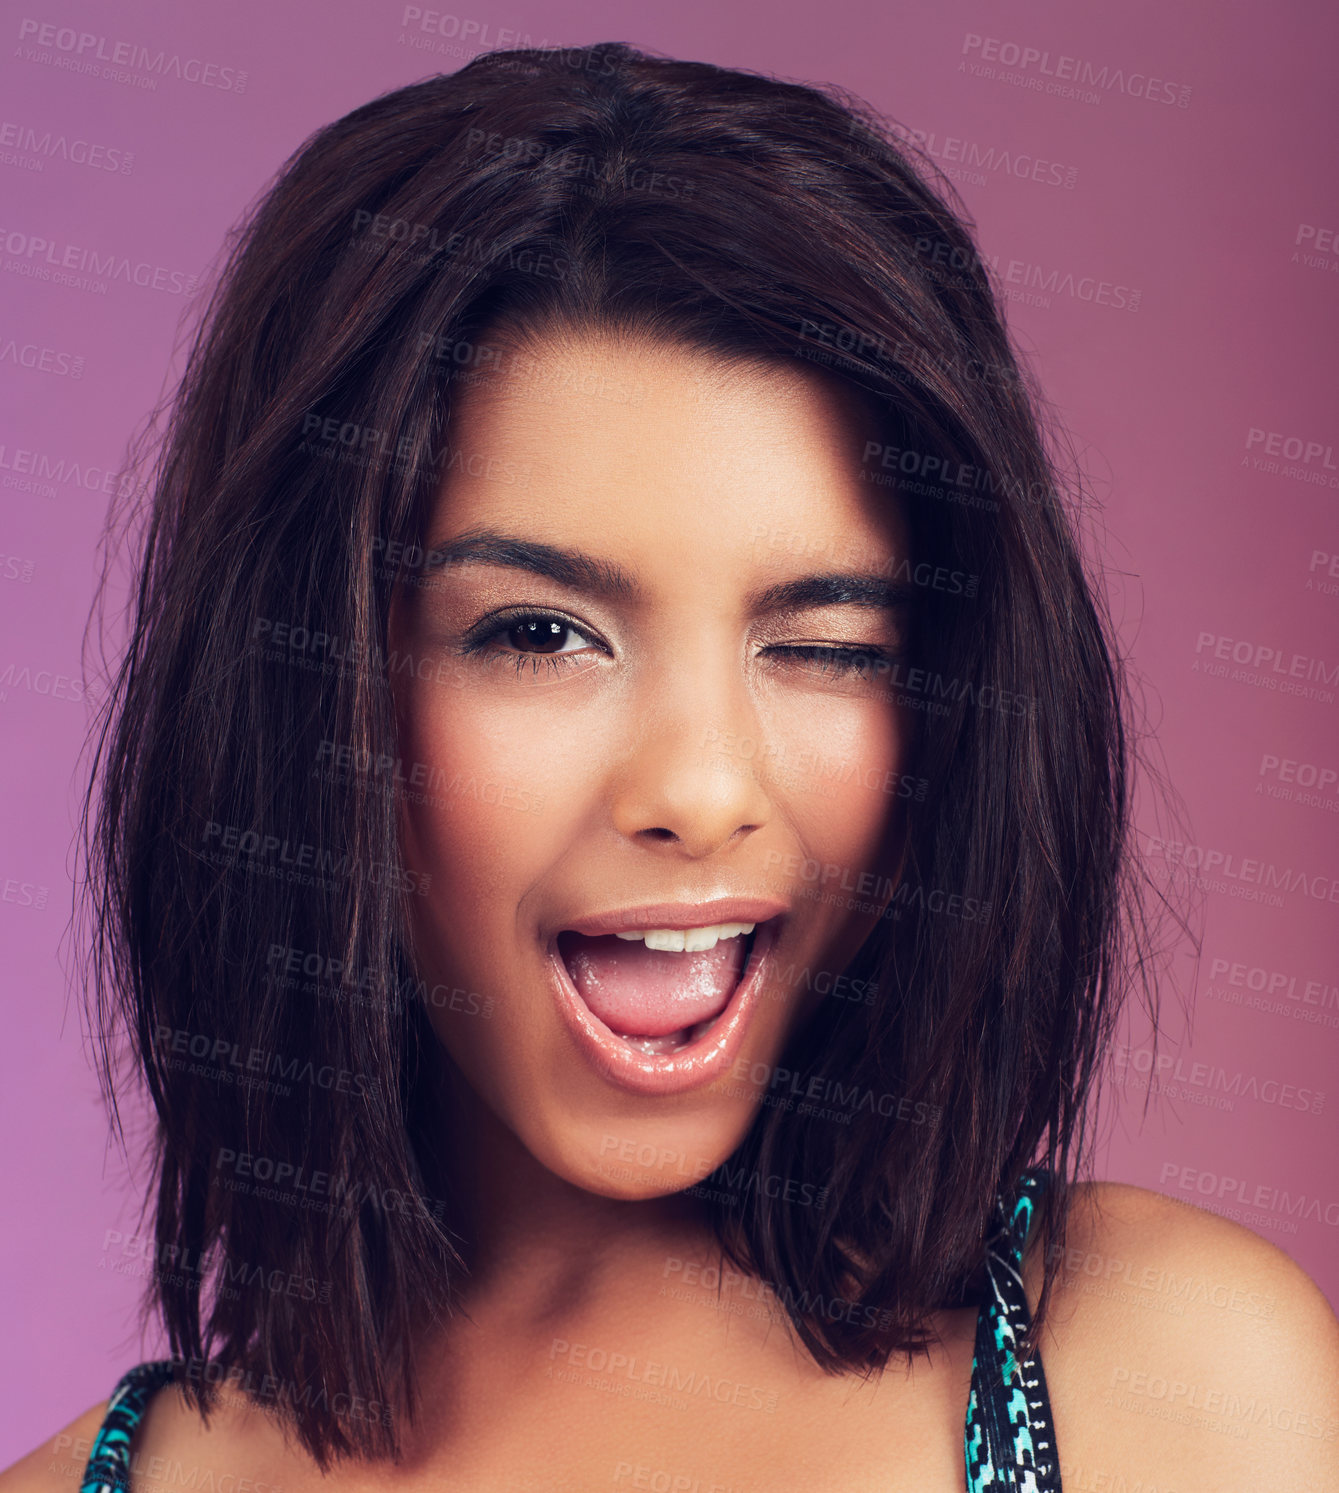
column 545, row 634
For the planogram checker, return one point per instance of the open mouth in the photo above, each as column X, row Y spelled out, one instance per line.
column 655, row 998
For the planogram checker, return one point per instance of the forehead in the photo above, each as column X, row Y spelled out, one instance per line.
column 597, row 435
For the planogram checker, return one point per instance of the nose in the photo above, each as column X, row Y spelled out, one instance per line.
column 675, row 787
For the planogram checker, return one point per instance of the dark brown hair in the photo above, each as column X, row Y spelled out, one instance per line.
column 248, row 894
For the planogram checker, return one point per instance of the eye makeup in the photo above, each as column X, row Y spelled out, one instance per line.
column 508, row 639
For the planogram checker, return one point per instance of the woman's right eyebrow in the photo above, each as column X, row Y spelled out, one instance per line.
column 578, row 571
column 571, row 568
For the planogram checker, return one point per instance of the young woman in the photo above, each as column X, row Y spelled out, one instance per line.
column 613, row 850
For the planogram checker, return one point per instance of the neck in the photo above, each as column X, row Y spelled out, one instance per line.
column 540, row 1247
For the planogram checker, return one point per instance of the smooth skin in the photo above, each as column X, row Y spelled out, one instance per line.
column 678, row 752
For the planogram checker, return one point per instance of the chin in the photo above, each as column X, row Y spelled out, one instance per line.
column 643, row 1159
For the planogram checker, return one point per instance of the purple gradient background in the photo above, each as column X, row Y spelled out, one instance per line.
column 1199, row 208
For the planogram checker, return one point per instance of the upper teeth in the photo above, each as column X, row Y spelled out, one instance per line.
column 688, row 940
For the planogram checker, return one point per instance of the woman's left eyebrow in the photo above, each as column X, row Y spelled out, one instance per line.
column 834, row 588
column 578, row 571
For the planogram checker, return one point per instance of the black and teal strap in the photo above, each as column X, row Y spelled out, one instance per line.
column 1009, row 1439
column 108, row 1469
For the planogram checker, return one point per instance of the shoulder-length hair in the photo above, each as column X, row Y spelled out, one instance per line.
column 248, row 899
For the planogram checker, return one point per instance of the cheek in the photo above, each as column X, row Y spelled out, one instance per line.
column 842, row 776
column 477, row 816
column 493, row 803
column 476, row 782
column 866, row 804
column 847, row 803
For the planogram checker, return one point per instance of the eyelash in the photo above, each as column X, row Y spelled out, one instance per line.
column 842, row 660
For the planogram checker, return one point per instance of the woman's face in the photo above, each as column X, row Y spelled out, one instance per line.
column 601, row 714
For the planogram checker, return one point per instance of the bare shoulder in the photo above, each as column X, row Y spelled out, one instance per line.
column 1184, row 1351
column 232, row 1448
column 57, row 1465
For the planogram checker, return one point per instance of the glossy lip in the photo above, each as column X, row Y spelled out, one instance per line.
column 678, row 915
column 700, row 1062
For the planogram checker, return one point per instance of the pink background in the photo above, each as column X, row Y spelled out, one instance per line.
column 1218, row 209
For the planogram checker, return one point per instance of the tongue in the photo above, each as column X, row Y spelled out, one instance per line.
column 644, row 992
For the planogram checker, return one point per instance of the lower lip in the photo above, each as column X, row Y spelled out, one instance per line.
column 688, row 1067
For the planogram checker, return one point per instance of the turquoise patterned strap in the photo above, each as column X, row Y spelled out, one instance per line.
column 108, row 1469
column 1009, row 1439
